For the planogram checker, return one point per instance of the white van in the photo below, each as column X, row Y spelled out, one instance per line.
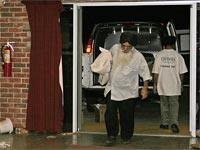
column 149, row 35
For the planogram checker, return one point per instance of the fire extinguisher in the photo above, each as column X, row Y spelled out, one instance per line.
column 6, row 53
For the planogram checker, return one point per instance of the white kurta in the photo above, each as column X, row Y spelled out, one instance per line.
column 169, row 65
column 124, row 79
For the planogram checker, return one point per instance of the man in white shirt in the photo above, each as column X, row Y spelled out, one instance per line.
column 121, row 91
column 169, row 68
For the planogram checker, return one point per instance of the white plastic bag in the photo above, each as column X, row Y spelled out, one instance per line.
column 102, row 65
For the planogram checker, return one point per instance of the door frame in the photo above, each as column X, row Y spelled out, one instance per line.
column 77, row 50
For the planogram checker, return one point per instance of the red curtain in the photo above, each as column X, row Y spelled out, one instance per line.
column 44, row 109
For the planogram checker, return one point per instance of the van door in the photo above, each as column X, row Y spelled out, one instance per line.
column 172, row 32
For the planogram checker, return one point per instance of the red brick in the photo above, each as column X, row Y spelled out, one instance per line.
column 7, row 115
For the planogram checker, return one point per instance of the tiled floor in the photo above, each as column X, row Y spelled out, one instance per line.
column 63, row 141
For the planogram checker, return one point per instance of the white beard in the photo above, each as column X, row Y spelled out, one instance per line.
column 121, row 59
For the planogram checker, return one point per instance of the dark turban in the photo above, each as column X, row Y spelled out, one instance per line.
column 128, row 37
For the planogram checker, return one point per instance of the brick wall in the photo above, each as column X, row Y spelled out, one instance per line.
column 14, row 27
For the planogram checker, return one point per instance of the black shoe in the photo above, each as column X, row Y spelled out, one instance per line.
column 174, row 128
column 125, row 141
column 110, row 141
column 162, row 126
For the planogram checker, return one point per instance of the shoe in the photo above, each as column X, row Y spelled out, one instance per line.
column 111, row 140
column 174, row 128
column 125, row 141
column 162, row 126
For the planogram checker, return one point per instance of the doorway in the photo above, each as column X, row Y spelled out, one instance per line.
column 147, row 112
column 77, row 47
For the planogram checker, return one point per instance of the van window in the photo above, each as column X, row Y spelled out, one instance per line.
column 146, row 41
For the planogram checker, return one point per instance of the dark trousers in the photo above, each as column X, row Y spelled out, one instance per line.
column 126, row 109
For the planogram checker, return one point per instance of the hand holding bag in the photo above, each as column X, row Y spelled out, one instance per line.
column 103, row 78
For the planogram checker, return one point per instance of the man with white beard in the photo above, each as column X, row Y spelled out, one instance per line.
column 121, row 91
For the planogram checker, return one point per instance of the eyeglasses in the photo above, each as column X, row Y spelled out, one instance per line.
column 126, row 47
